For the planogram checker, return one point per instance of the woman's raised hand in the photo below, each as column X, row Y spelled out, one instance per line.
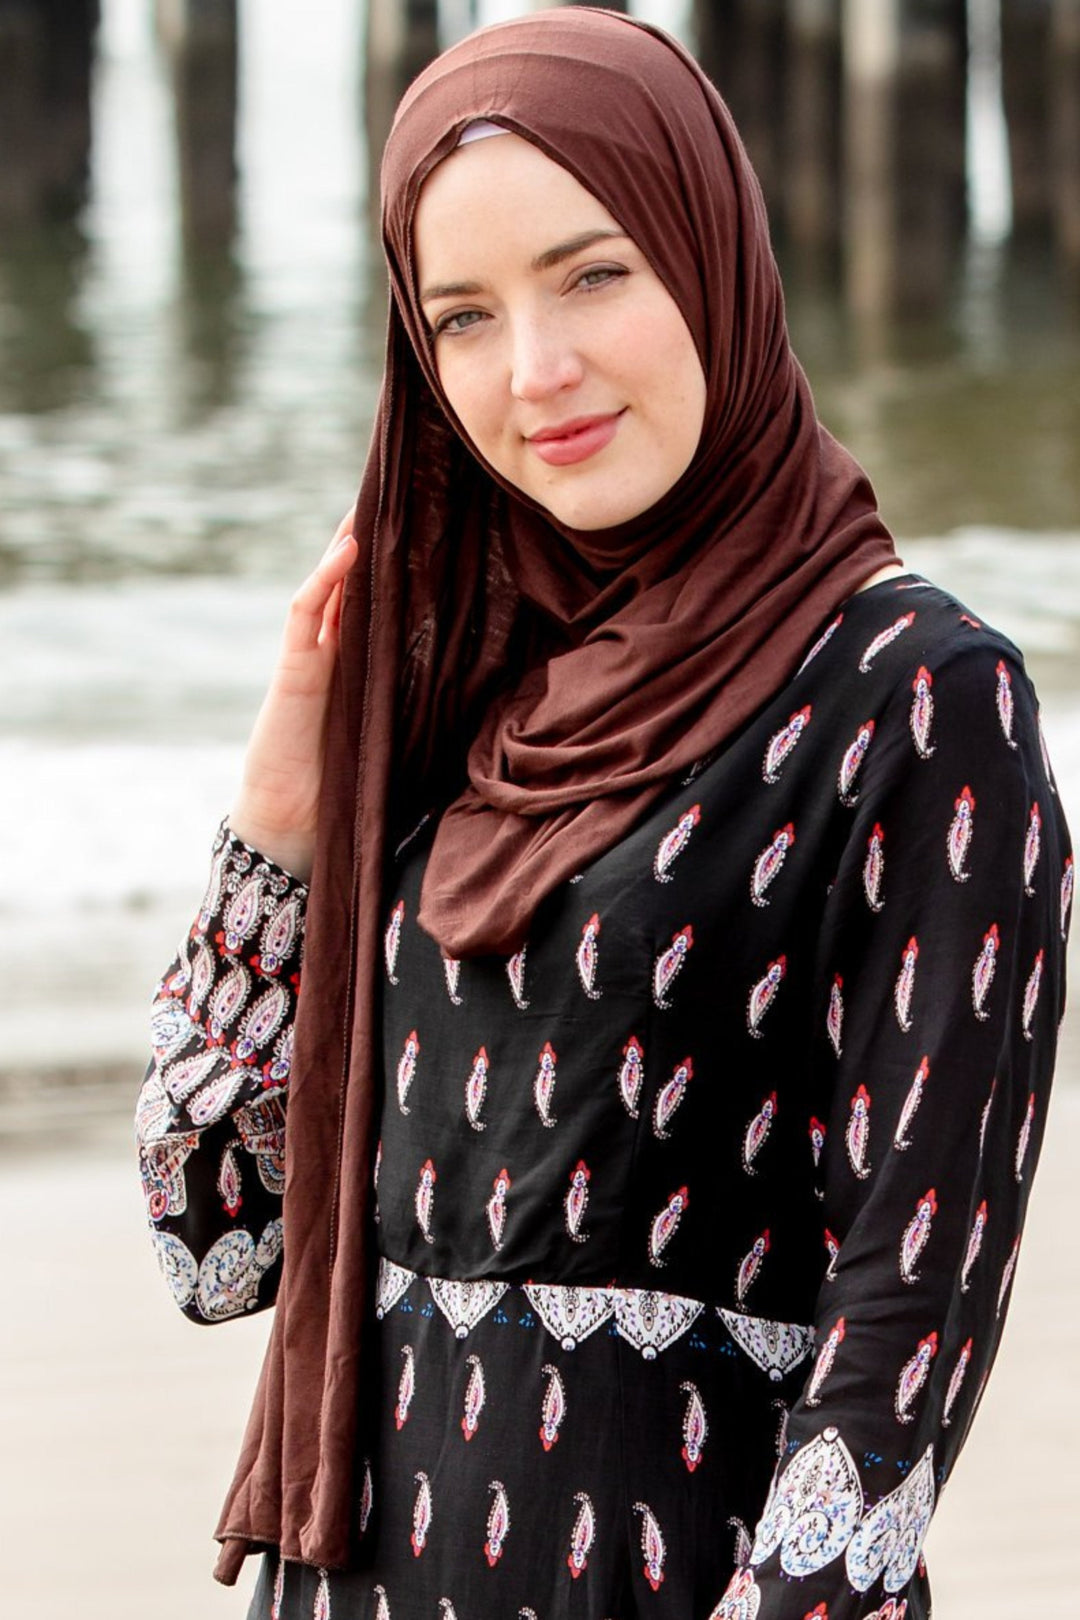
column 277, row 805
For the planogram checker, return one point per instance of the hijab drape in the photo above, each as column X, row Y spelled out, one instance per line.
column 545, row 685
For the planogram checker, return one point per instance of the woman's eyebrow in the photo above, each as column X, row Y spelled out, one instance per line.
column 544, row 261
column 574, row 244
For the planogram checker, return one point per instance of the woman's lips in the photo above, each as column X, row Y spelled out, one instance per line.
column 575, row 441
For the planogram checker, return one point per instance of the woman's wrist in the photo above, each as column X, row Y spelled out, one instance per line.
column 292, row 850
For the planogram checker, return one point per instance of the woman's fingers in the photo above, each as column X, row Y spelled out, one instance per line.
column 307, row 616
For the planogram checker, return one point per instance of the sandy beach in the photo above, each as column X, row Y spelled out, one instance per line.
column 121, row 1419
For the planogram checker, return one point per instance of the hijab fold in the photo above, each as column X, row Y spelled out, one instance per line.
column 544, row 686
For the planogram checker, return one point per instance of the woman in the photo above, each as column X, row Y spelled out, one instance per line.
column 683, row 954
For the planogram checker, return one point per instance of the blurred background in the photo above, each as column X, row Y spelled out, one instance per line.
column 191, row 320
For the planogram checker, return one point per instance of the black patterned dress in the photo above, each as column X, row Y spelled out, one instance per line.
column 698, row 1216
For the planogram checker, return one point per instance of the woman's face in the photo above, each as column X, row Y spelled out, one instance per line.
column 563, row 355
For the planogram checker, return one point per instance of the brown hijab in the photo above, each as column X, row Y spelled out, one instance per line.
column 547, row 685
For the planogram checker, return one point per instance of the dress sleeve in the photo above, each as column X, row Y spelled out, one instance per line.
column 210, row 1120
column 941, row 984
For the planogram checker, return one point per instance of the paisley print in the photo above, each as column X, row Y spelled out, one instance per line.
column 498, row 1524
column 553, row 1407
column 885, row 639
column 570, row 1314
column 496, row 1207
column 851, row 764
column 913, row 1376
column 669, row 1097
column 653, row 1548
column 821, row 642
column 422, row 1514
column 741, row 1601
column 813, row 1508
column 750, row 1266
column 1032, row 847
column 782, row 743
column 834, row 1018
column 588, row 956
column 1005, row 706
column 392, row 1284
column 1024, row 1139
column 956, row 1383
column 425, row 1199
column 756, row 1133
column 1065, row 904
column 917, row 1235
column 921, row 718
column 465, row 1303
column 958, row 841
column 674, row 842
column 631, row 1075
column 665, row 1225
column 905, row 984
column 695, row 1427
column 874, row 868
column 452, row 975
column 576, row 1200
column 367, row 1497
column 901, row 1140
column 763, row 993
column 888, row 1541
column 406, row 1386
column 652, row 1321
column 775, row 1347
column 392, row 940
column 321, row 1611
column 1007, row 1274
column 406, row 1069
column 669, row 964
column 476, row 1090
column 582, row 1535
column 768, row 864
column 544, row 1083
column 1031, row 994
column 857, row 1135
column 515, row 972
column 975, row 1243
column 825, row 1358
column 982, row 974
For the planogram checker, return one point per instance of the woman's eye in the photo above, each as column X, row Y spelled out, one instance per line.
column 599, row 276
column 459, row 320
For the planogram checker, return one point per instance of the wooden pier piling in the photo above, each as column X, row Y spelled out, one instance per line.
column 46, row 58
column 200, row 38
column 1065, row 129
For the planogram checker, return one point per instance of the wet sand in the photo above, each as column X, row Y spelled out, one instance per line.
column 121, row 1419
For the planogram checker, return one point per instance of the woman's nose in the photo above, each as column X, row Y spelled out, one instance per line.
column 544, row 360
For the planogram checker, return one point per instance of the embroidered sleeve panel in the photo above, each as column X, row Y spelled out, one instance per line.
column 210, row 1120
column 941, row 983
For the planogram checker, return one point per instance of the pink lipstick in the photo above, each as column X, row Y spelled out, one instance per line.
column 576, row 440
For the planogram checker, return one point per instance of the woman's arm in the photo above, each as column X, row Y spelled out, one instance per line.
column 942, row 978
column 211, row 1115
column 210, row 1120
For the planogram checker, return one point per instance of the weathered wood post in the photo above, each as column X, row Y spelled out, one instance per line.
column 1065, row 128
column 741, row 45
column 812, row 145
column 1025, row 55
column 200, row 37
column 402, row 36
column 930, row 138
column 871, row 56
column 904, row 70
column 46, row 60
